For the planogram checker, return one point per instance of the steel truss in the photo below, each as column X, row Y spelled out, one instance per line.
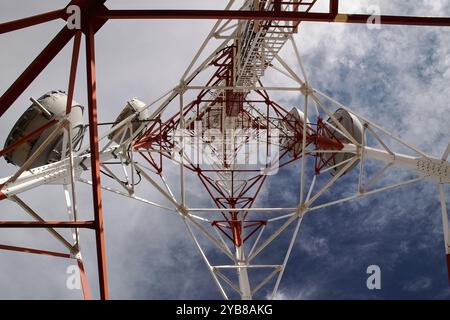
column 248, row 40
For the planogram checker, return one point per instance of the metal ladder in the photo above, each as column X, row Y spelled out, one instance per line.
column 261, row 41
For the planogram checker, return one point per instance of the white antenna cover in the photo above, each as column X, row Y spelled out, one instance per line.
column 354, row 127
column 293, row 125
column 133, row 106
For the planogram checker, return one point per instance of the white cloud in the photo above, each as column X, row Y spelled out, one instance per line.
column 147, row 249
column 420, row 284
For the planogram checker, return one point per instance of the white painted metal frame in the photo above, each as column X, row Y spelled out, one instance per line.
column 196, row 220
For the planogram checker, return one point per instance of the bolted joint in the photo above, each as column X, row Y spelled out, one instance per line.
column 181, row 88
column 90, row 16
column 306, row 89
column 361, row 191
column 183, row 210
column 301, row 209
column 359, row 151
column 75, row 252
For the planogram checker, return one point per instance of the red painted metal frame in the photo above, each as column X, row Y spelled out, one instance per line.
column 95, row 14
column 73, row 71
column 6, row 100
column 35, row 68
column 334, row 7
column 448, row 266
column 158, row 135
column 48, row 224
column 35, row 251
column 266, row 15
column 84, row 280
column 95, row 161
column 31, row 21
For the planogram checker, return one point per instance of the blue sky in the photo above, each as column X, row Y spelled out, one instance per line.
column 396, row 76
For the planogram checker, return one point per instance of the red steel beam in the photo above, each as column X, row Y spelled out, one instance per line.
column 73, row 71
column 47, row 55
column 271, row 15
column 48, row 224
column 35, row 251
column 84, row 281
column 396, row 20
column 448, row 267
column 27, row 137
column 277, row 5
column 95, row 162
column 83, row 277
column 35, row 68
column 46, row 17
column 31, row 21
column 334, row 7
column 65, row 35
